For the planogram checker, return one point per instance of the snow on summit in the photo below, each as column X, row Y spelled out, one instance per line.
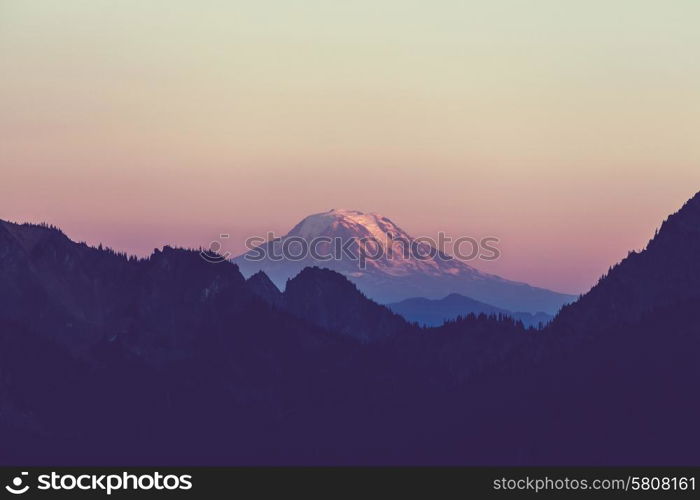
column 390, row 273
column 397, row 254
column 343, row 222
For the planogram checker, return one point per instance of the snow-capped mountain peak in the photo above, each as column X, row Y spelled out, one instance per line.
column 395, row 266
column 392, row 250
column 344, row 223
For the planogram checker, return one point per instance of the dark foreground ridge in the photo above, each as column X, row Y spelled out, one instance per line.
column 106, row 359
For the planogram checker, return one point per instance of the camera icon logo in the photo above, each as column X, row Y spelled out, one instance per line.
column 16, row 487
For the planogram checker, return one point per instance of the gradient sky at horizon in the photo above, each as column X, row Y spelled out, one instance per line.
column 567, row 129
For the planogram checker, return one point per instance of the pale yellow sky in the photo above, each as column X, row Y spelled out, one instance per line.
column 568, row 129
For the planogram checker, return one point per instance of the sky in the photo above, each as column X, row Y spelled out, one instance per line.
column 568, row 130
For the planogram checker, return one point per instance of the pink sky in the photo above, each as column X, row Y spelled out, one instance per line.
column 569, row 132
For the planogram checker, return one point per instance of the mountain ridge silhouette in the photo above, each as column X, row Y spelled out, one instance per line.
column 107, row 359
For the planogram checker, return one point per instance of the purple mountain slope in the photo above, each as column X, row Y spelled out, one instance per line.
column 394, row 276
column 432, row 312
